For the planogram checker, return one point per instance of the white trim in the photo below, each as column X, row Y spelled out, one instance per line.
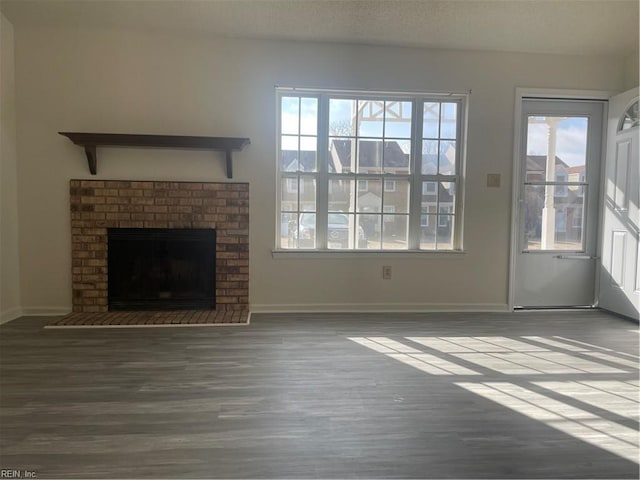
column 520, row 94
column 431, row 93
column 10, row 314
column 364, row 253
column 378, row 307
column 45, row 311
column 559, row 93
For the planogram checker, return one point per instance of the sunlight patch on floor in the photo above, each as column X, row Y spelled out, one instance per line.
column 583, row 425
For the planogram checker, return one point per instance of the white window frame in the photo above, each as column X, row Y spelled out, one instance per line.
column 415, row 177
column 389, row 185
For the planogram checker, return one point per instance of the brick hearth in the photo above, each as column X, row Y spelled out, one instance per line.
column 100, row 204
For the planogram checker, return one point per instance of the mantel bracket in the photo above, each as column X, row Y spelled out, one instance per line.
column 92, row 159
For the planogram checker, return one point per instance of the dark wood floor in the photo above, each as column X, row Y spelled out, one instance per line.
column 325, row 396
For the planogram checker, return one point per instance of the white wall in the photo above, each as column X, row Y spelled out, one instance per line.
column 9, row 268
column 120, row 81
column 631, row 74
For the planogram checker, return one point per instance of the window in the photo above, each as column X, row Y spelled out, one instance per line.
column 349, row 162
column 561, row 190
column 577, row 217
column 630, row 119
column 561, row 221
column 444, row 219
column 428, row 188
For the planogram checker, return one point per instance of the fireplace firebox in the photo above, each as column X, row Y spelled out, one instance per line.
column 161, row 268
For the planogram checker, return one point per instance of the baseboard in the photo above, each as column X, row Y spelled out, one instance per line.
column 10, row 314
column 45, row 311
column 378, row 307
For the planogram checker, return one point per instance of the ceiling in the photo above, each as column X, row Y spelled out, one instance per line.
column 601, row 27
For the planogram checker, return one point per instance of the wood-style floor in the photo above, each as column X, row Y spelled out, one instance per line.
column 524, row 395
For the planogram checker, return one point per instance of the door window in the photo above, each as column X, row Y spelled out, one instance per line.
column 555, row 182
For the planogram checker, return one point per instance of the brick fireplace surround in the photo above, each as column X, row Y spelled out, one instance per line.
column 100, row 204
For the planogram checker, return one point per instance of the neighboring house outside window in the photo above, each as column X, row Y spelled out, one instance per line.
column 389, row 186
column 349, row 162
column 561, row 221
column 561, row 190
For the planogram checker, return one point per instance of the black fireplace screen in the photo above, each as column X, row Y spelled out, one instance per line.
column 161, row 269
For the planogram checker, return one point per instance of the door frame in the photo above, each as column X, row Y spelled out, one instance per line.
column 521, row 94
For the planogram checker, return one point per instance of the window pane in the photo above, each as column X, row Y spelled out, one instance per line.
column 341, row 195
column 289, row 154
column 558, row 227
column 631, row 118
column 305, row 234
column 369, row 231
column 369, row 196
column 342, row 114
column 308, row 154
column 370, row 118
column 398, row 120
column 289, row 115
column 340, row 230
column 288, row 225
column 342, row 155
column 370, row 156
column 428, row 232
column 307, row 194
column 395, row 232
column 396, row 156
column 399, row 198
column 568, row 137
column 309, row 116
column 445, row 232
column 429, row 157
column 289, row 194
column 447, row 157
column 430, row 120
column 447, row 196
column 448, row 120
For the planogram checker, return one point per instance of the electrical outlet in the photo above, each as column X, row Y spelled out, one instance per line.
column 386, row 272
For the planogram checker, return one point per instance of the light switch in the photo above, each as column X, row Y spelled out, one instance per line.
column 493, row 180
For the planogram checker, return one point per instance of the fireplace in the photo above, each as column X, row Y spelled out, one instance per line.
column 161, row 268
column 101, row 207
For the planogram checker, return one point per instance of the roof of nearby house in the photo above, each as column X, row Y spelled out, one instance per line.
column 369, row 154
column 538, row 163
column 290, row 159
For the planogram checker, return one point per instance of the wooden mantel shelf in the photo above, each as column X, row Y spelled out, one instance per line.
column 90, row 142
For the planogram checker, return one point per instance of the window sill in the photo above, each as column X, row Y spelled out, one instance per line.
column 289, row 254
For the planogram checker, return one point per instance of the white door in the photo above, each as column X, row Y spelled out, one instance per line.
column 558, row 191
column 619, row 281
